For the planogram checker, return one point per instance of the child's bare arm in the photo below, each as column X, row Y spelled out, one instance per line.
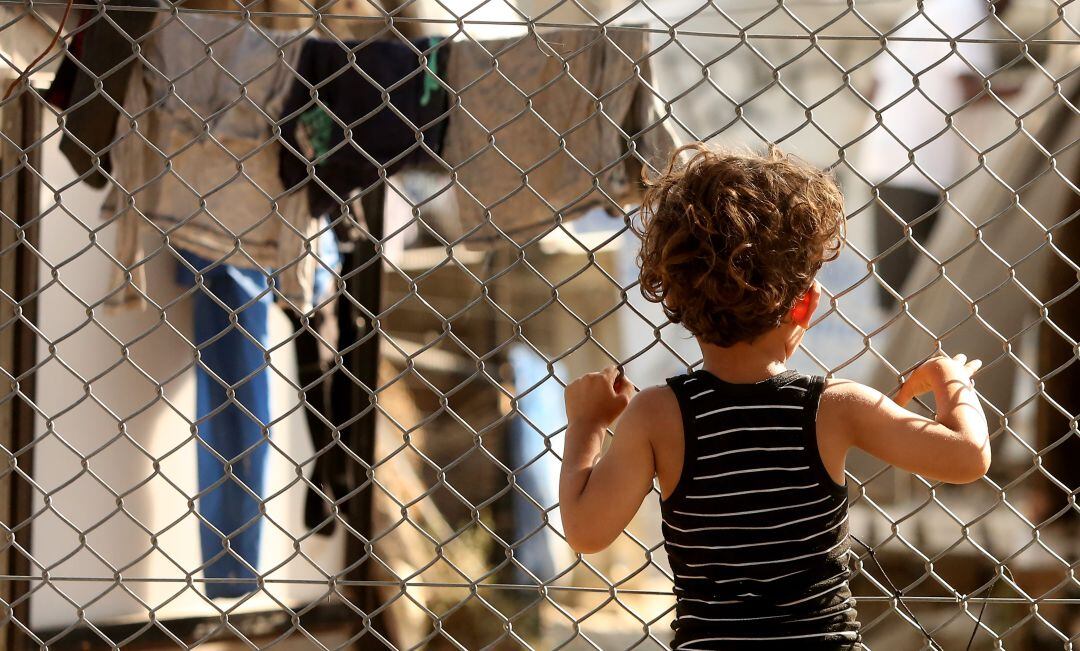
column 598, row 498
column 953, row 448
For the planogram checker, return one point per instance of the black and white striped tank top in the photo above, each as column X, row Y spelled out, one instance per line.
column 756, row 531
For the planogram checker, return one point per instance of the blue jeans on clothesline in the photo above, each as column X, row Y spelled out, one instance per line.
column 540, row 403
column 235, row 429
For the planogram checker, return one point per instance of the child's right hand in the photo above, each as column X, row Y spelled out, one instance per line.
column 595, row 400
column 934, row 373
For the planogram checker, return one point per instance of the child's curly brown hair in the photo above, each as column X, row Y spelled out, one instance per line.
column 732, row 241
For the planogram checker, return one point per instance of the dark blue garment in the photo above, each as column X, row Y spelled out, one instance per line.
column 337, row 128
column 231, row 431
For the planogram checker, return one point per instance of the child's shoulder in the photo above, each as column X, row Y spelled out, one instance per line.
column 657, row 404
column 846, row 404
column 653, row 413
column 849, row 393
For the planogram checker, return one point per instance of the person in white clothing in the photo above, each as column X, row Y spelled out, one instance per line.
column 913, row 154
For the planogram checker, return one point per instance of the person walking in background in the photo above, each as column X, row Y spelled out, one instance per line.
column 913, row 153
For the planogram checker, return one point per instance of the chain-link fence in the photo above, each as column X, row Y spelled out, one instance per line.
column 290, row 293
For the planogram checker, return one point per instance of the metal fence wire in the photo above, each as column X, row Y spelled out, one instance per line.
column 289, row 293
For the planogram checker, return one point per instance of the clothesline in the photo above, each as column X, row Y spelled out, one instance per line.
column 531, row 24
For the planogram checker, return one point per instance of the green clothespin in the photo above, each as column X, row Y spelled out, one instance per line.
column 431, row 76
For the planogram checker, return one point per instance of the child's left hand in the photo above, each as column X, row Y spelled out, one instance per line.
column 595, row 400
column 937, row 370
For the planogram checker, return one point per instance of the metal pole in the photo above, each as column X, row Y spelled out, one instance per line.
column 19, row 205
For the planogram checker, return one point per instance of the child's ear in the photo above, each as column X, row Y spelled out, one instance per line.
column 804, row 309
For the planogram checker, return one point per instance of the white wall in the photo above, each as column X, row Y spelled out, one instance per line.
column 84, row 420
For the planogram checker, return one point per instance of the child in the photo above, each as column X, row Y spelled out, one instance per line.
column 749, row 455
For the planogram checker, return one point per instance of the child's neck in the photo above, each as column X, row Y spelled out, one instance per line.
column 749, row 362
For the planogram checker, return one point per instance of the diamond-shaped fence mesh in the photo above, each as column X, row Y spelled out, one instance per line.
column 289, row 293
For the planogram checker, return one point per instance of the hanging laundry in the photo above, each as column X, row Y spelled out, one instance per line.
column 341, row 18
column 233, row 430
column 105, row 50
column 60, row 91
column 202, row 168
column 339, row 90
column 535, row 447
column 566, row 121
column 317, row 342
column 331, row 390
